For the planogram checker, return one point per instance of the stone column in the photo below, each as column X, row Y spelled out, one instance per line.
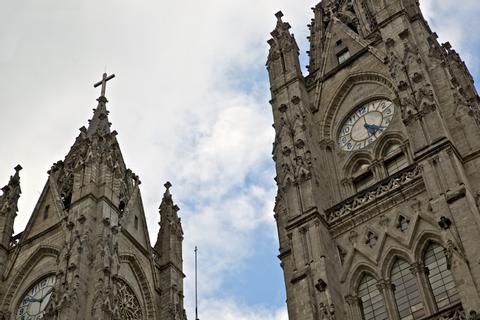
column 387, row 289
column 421, row 273
column 354, row 311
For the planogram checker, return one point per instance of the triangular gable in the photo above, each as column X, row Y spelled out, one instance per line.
column 135, row 221
column 341, row 38
column 47, row 212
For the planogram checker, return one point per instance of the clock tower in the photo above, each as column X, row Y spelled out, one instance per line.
column 377, row 153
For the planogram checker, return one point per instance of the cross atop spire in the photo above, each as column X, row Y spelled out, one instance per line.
column 99, row 122
column 103, row 83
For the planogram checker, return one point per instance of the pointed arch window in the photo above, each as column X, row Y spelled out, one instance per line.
column 371, row 300
column 395, row 159
column 362, row 176
column 440, row 277
column 407, row 296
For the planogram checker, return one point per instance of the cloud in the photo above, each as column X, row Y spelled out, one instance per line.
column 190, row 103
column 448, row 19
column 230, row 310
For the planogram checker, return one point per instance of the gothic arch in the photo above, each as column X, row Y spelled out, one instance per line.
column 28, row 266
column 423, row 242
column 344, row 90
column 146, row 293
column 386, row 140
column 392, row 255
column 354, row 159
column 356, row 276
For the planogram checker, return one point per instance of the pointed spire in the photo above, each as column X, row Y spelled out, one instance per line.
column 168, row 210
column 99, row 122
column 11, row 193
column 170, row 223
column 283, row 62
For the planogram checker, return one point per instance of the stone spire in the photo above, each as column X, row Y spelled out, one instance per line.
column 169, row 250
column 8, row 212
column 11, row 193
column 283, row 62
column 170, row 235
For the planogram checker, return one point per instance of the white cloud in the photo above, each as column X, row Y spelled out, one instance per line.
column 454, row 21
column 230, row 310
column 185, row 102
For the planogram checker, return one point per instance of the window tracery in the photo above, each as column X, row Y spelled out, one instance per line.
column 371, row 299
column 407, row 296
column 128, row 305
column 440, row 277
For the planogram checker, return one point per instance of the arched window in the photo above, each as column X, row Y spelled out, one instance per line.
column 395, row 159
column 441, row 280
column 362, row 176
column 371, row 300
column 407, row 295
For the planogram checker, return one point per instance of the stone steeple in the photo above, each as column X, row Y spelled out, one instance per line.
column 95, row 189
column 169, row 250
column 283, row 61
column 8, row 212
column 85, row 253
column 99, row 123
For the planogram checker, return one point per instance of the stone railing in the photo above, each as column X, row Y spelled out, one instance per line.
column 453, row 313
column 375, row 192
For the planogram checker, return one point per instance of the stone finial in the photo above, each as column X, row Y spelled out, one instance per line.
column 168, row 185
column 279, row 15
column 18, row 168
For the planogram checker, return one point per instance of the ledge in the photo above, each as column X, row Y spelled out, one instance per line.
column 372, row 194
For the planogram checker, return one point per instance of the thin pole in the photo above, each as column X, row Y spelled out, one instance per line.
column 196, row 295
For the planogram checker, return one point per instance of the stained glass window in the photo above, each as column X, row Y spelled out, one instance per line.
column 441, row 280
column 407, row 295
column 372, row 303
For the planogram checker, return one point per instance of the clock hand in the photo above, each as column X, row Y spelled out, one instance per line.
column 46, row 294
column 33, row 300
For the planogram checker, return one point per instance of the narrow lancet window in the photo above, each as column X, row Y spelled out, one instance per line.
column 441, row 280
column 407, row 296
column 371, row 299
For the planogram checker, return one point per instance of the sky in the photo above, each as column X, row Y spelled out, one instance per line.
column 190, row 103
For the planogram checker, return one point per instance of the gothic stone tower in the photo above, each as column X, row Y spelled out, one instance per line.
column 86, row 253
column 377, row 158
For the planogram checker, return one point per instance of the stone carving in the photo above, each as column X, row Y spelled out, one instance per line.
column 11, row 194
column 349, row 206
column 127, row 305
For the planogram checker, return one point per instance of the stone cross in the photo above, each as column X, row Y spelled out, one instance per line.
column 103, row 82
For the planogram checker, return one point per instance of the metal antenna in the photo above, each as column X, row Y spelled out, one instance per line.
column 196, row 295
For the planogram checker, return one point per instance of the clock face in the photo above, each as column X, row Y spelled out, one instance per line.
column 34, row 301
column 366, row 124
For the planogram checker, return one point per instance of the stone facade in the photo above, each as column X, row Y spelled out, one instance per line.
column 85, row 252
column 375, row 221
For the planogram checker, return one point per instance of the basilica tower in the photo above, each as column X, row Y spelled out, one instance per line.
column 377, row 159
column 85, row 252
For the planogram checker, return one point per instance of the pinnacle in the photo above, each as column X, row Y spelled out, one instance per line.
column 279, row 15
column 99, row 122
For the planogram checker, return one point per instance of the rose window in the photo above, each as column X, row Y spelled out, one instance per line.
column 128, row 305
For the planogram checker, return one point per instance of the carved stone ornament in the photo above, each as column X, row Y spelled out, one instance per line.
column 347, row 207
column 321, row 285
column 127, row 303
